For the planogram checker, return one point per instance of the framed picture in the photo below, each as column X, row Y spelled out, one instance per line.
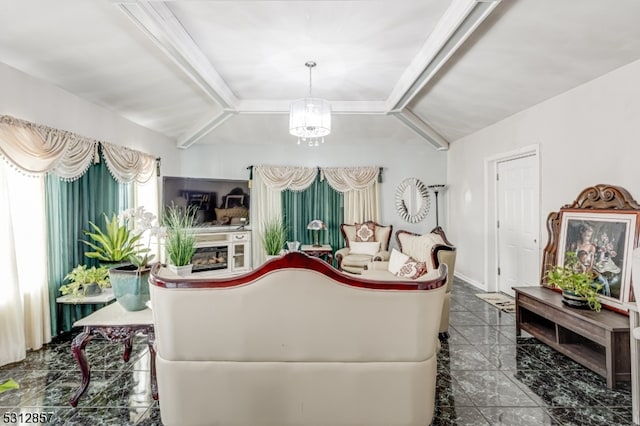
column 234, row 201
column 602, row 242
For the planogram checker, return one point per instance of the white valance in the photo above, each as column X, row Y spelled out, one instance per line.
column 280, row 178
column 127, row 165
column 344, row 179
column 35, row 149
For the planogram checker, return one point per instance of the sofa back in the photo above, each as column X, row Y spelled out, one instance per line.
column 296, row 308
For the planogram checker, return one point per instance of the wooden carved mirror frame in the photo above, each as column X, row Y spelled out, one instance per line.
column 594, row 202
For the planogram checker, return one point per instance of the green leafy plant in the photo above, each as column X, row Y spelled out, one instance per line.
column 274, row 236
column 571, row 278
column 81, row 276
column 180, row 240
column 116, row 243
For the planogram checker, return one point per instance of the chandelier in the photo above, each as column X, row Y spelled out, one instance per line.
column 310, row 118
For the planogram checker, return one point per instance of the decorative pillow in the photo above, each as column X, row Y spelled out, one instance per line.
column 370, row 248
column 232, row 212
column 396, row 260
column 365, row 231
column 412, row 269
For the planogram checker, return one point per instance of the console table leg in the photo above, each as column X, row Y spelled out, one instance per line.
column 634, row 322
column 151, row 341
column 127, row 349
column 77, row 348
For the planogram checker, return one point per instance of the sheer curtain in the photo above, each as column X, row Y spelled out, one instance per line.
column 24, row 301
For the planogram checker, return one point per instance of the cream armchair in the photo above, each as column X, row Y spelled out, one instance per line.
column 433, row 249
column 357, row 254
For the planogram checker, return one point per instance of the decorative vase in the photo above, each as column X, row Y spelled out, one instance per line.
column 181, row 271
column 92, row 289
column 130, row 286
column 574, row 300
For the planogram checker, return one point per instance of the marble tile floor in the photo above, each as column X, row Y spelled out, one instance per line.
column 486, row 376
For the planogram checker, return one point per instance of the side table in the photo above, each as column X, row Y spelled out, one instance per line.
column 118, row 325
column 324, row 251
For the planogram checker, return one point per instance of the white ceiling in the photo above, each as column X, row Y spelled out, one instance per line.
column 225, row 71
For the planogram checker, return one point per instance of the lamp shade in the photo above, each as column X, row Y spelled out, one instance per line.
column 310, row 118
column 316, row 225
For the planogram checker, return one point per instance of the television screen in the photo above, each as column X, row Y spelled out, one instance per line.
column 218, row 202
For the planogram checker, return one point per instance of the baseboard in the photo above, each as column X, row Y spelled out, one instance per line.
column 470, row 281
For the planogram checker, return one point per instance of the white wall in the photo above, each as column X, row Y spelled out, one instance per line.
column 587, row 136
column 27, row 98
column 399, row 161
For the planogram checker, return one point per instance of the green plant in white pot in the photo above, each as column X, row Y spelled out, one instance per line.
column 274, row 236
column 180, row 242
column 84, row 281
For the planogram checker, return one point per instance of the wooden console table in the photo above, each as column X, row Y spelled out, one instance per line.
column 116, row 324
column 597, row 340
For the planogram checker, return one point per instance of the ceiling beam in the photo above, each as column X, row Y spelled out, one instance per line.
column 459, row 21
column 422, row 129
column 203, row 129
column 157, row 21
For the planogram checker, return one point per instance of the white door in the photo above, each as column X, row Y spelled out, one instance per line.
column 518, row 223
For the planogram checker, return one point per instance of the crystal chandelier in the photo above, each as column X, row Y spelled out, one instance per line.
column 310, row 118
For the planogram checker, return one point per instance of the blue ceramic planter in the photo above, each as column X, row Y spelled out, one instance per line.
column 130, row 286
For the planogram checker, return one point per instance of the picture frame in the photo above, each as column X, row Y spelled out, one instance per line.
column 234, row 201
column 603, row 241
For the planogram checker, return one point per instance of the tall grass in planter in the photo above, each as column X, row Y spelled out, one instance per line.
column 180, row 242
column 274, row 236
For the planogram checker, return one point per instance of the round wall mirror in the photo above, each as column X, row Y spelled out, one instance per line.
column 412, row 200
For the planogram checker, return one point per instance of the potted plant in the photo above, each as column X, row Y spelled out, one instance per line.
column 577, row 284
column 274, row 236
column 85, row 281
column 115, row 244
column 180, row 242
column 131, row 282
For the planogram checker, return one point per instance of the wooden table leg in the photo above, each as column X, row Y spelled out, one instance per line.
column 77, row 348
column 151, row 341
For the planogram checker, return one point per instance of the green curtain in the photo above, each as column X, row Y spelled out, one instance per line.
column 319, row 201
column 70, row 206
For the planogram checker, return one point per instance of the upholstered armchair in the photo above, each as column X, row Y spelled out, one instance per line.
column 433, row 249
column 365, row 242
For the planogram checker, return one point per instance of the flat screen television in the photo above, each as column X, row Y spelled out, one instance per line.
column 218, row 202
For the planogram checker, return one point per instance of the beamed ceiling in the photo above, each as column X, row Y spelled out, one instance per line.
column 394, row 71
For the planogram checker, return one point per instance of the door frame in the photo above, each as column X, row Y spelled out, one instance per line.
column 491, row 210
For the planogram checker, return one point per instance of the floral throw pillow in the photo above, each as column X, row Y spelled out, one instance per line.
column 365, row 232
column 412, row 269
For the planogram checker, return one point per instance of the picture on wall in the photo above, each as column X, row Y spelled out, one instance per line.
column 603, row 243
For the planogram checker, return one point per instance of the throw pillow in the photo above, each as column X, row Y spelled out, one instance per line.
column 365, row 231
column 412, row 269
column 396, row 260
column 370, row 248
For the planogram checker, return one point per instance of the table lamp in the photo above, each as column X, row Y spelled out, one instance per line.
column 316, row 225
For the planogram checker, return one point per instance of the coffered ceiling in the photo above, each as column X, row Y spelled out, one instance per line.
column 395, row 71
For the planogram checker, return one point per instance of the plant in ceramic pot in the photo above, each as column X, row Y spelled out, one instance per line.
column 113, row 245
column 180, row 241
column 131, row 282
column 84, row 281
column 274, row 236
column 577, row 284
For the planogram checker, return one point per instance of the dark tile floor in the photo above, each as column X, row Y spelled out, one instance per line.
column 486, row 376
